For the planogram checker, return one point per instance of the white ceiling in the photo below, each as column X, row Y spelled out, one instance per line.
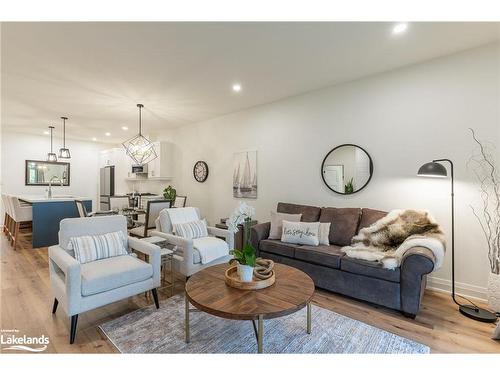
column 95, row 73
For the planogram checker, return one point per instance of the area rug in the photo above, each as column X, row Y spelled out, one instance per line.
column 149, row 330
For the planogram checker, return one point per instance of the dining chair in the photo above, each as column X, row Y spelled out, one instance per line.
column 180, row 201
column 152, row 212
column 22, row 215
column 80, row 207
column 7, row 217
column 119, row 203
column 82, row 210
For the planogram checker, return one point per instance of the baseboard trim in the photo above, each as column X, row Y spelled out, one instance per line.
column 466, row 290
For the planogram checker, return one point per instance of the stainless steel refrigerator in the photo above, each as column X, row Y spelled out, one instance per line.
column 107, row 187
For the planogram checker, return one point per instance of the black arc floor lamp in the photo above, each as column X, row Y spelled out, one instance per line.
column 436, row 169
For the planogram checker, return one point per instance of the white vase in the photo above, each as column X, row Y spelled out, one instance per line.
column 494, row 291
column 245, row 272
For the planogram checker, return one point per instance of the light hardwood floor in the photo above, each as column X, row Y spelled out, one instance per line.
column 26, row 305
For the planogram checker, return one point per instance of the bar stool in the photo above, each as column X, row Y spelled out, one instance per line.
column 7, row 217
column 21, row 215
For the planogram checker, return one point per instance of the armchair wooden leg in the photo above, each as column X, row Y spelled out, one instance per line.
column 17, row 229
column 155, row 296
column 74, row 322
column 54, row 306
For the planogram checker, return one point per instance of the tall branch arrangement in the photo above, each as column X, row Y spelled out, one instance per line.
column 482, row 163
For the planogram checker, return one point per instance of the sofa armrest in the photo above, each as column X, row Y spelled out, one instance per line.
column 154, row 256
column 59, row 258
column 416, row 263
column 425, row 253
column 186, row 265
column 258, row 233
column 219, row 232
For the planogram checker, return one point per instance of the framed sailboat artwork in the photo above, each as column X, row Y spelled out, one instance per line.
column 245, row 174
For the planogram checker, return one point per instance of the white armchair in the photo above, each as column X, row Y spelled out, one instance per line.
column 187, row 258
column 83, row 287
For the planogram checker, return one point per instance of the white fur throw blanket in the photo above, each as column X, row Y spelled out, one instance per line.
column 387, row 240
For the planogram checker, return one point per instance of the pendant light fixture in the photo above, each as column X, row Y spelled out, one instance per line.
column 51, row 156
column 140, row 149
column 63, row 151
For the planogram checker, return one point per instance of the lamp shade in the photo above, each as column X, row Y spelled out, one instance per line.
column 432, row 169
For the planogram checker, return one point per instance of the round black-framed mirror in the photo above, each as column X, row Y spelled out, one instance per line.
column 347, row 169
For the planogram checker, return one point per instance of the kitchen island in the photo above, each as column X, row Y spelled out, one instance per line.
column 48, row 213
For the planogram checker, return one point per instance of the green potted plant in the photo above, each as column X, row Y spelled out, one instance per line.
column 170, row 193
column 349, row 187
column 245, row 257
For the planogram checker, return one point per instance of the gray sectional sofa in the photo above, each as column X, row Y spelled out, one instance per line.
column 400, row 289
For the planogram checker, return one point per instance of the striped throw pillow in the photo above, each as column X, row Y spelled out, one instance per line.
column 90, row 248
column 193, row 229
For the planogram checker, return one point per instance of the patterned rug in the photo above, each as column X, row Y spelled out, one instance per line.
column 149, row 330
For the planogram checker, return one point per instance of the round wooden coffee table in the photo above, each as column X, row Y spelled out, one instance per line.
column 208, row 292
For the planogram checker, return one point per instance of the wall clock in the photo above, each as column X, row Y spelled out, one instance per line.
column 200, row 171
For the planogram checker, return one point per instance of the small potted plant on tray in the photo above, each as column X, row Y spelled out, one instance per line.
column 246, row 257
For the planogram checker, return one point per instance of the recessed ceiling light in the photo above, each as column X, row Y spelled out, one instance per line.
column 400, row 28
column 46, row 132
column 107, row 134
column 236, row 87
column 124, row 128
column 94, row 139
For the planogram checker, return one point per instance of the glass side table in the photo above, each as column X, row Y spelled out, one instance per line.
column 167, row 257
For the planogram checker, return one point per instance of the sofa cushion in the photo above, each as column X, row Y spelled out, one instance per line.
column 370, row 269
column 278, row 247
column 111, row 273
column 309, row 213
column 276, row 230
column 369, row 216
column 328, row 256
column 344, row 223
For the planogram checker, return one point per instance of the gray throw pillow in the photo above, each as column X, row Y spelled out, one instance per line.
column 277, row 223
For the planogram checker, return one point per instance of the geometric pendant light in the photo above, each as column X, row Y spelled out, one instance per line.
column 63, row 151
column 140, row 149
column 51, row 156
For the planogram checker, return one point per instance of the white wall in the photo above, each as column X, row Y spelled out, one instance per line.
column 402, row 118
column 84, row 165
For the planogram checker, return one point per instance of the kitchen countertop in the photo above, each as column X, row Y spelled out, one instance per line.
column 55, row 198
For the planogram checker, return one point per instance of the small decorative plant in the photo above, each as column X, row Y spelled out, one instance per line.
column 349, row 187
column 169, row 193
column 246, row 257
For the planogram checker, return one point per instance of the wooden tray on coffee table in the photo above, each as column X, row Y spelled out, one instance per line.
column 233, row 280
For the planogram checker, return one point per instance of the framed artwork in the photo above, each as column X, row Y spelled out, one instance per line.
column 245, row 174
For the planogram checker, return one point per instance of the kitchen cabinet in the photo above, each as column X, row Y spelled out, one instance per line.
column 161, row 167
column 158, row 169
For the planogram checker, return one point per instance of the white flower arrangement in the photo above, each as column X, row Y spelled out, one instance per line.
column 242, row 213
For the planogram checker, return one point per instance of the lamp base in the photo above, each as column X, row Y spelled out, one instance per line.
column 477, row 313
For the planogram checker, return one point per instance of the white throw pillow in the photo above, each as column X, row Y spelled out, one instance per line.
column 302, row 233
column 90, row 248
column 324, row 233
column 193, row 229
column 277, row 223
